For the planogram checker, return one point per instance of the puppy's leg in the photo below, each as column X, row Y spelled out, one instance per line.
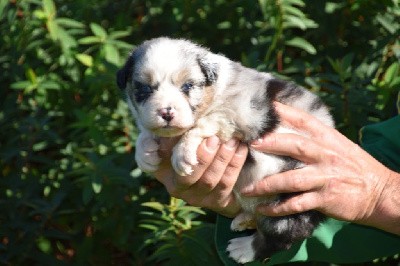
column 243, row 221
column 146, row 153
column 184, row 155
column 259, row 246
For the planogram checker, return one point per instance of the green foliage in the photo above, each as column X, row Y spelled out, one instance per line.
column 176, row 237
column 70, row 191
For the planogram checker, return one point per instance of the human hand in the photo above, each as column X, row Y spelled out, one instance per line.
column 211, row 182
column 338, row 179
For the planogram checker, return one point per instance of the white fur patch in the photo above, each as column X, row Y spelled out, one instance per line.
column 241, row 249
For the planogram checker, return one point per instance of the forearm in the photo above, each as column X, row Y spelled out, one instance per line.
column 386, row 215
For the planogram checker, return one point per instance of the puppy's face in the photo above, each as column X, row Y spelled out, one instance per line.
column 167, row 85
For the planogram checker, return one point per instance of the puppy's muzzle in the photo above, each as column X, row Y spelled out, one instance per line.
column 167, row 113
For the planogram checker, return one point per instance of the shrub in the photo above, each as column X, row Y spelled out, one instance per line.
column 70, row 192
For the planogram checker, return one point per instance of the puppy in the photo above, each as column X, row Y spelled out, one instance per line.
column 177, row 88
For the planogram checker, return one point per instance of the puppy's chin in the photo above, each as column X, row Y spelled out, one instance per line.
column 169, row 132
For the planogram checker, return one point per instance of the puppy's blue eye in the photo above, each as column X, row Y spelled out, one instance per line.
column 187, row 87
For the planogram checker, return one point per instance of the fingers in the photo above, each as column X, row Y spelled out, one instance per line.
column 299, row 119
column 211, row 171
column 218, row 168
column 298, row 180
column 292, row 145
column 215, row 177
column 296, row 204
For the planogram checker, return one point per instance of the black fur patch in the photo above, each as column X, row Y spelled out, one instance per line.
column 209, row 70
column 271, row 123
column 270, row 240
column 282, row 91
column 316, row 104
column 290, row 163
column 142, row 92
column 125, row 73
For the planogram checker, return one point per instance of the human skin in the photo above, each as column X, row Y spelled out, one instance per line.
column 211, row 183
column 339, row 179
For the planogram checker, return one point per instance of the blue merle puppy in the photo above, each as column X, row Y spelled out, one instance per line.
column 177, row 88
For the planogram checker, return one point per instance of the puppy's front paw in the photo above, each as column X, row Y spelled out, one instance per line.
column 184, row 157
column 241, row 249
column 146, row 154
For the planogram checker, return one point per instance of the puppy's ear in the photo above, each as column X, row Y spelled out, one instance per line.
column 209, row 66
column 124, row 73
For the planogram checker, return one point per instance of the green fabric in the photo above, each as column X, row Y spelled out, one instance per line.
column 337, row 241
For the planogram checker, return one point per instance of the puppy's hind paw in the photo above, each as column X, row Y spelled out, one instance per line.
column 241, row 249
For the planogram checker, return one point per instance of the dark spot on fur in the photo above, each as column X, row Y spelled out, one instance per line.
column 316, row 104
column 257, row 103
column 250, row 159
column 271, row 123
column 273, row 235
column 125, row 73
column 283, row 91
column 209, row 70
column 290, row 163
column 142, row 92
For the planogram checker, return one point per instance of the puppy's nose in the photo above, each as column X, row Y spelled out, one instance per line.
column 166, row 113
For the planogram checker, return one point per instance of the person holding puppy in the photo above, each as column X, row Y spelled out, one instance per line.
column 339, row 179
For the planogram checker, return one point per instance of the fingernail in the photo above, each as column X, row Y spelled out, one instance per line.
column 232, row 143
column 247, row 189
column 212, row 143
column 257, row 142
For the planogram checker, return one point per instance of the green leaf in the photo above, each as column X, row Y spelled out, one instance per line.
column 52, row 27
column 294, row 22
column 331, row 7
column 96, row 186
column 294, row 11
column 111, row 54
column 224, row 25
column 67, row 40
column 387, row 23
column 90, row 40
column 44, row 245
column 303, row 44
column 391, row 73
column 70, row 23
column 21, row 85
column 98, row 30
column 119, row 34
column 49, row 8
column 120, row 44
column 85, row 59
column 3, row 4
column 154, row 205
column 30, row 74
column 294, row 2
column 50, row 85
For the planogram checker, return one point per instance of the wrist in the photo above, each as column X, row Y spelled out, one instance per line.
column 386, row 214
